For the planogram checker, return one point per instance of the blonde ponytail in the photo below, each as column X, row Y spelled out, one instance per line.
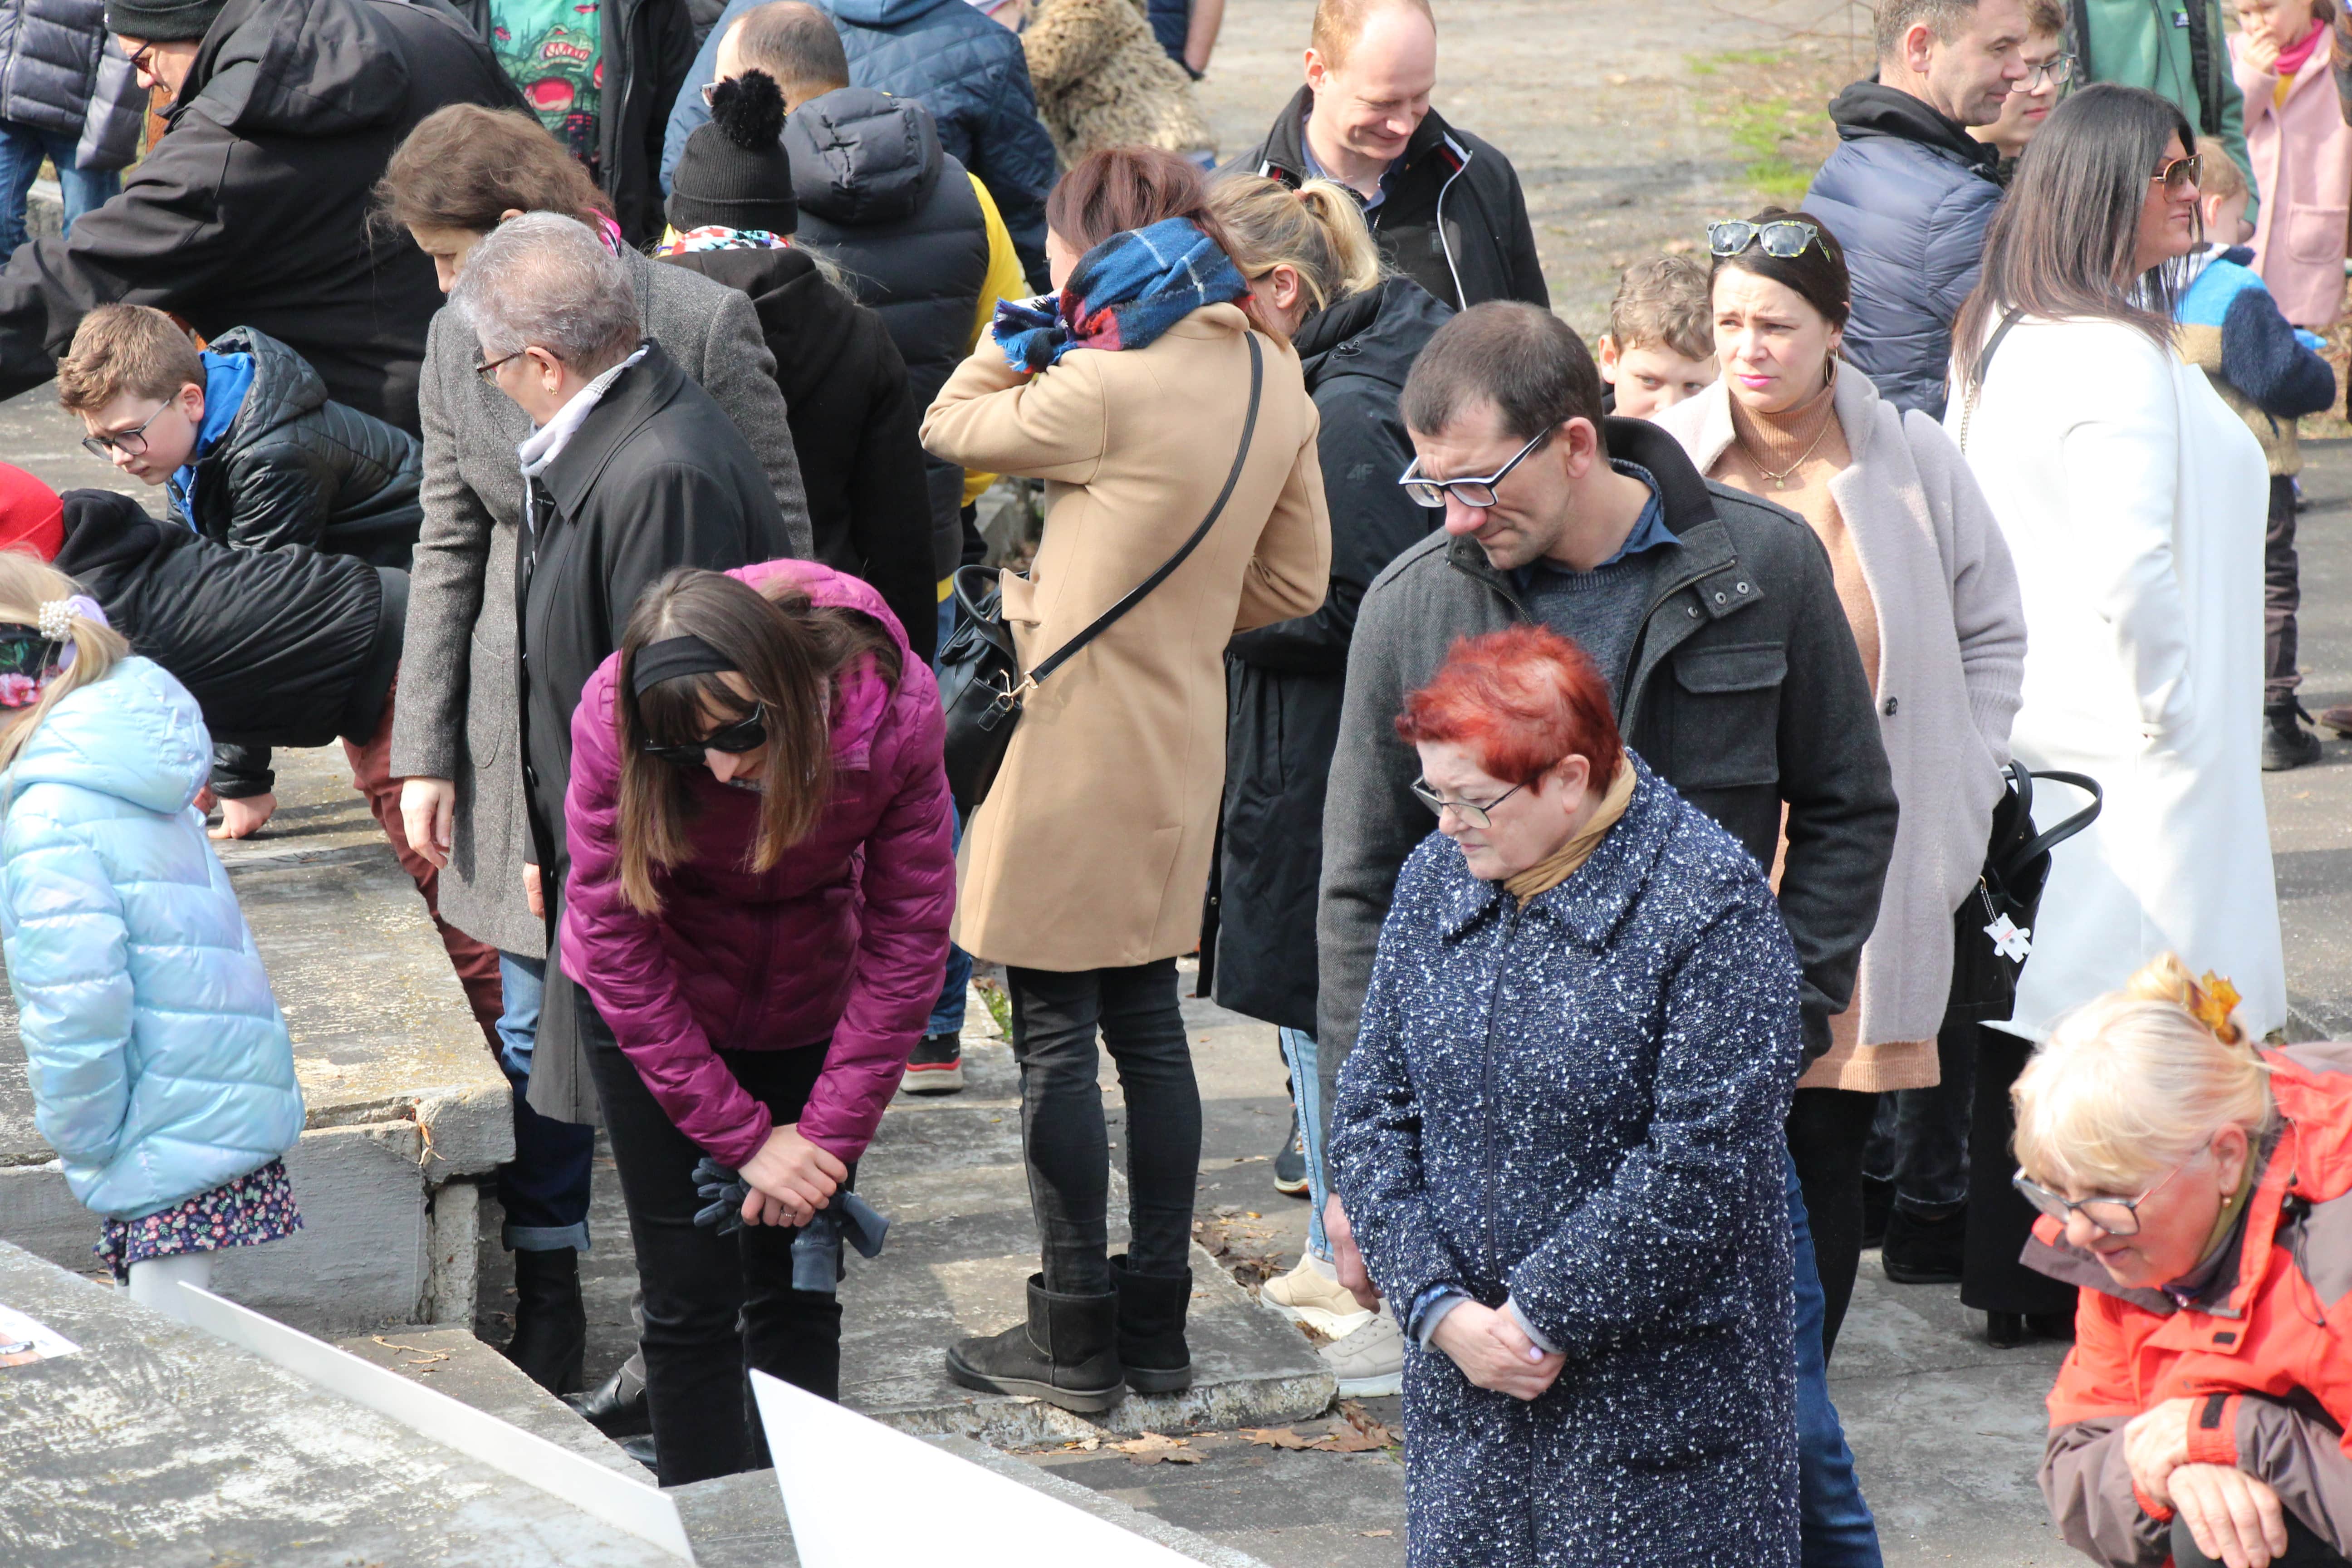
column 1317, row 230
column 2130, row 1085
column 25, row 585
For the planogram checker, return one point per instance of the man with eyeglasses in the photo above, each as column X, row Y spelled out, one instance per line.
column 1910, row 193
column 1713, row 616
column 2048, row 69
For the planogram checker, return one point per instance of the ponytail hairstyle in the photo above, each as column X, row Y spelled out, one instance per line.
column 81, row 648
column 790, row 653
column 1318, row 230
column 2129, row 1086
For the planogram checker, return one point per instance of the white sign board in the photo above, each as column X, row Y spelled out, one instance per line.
column 846, row 1480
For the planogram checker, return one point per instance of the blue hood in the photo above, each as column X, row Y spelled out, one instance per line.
column 136, row 735
column 885, row 13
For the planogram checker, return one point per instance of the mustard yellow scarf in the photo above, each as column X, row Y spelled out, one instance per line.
column 1561, row 863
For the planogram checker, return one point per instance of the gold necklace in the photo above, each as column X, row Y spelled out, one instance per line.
column 1785, row 480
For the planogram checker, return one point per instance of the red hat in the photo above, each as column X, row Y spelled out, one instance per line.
column 31, row 516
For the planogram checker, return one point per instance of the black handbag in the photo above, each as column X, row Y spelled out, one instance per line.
column 981, row 683
column 1992, row 931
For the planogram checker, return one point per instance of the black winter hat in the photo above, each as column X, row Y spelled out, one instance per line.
column 734, row 172
column 162, row 21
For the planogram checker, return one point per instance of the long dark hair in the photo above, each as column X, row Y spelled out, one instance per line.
column 792, row 653
column 2062, row 244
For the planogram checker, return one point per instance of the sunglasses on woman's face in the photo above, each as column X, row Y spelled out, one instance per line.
column 2181, row 176
column 1781, row 238
column 747, row 734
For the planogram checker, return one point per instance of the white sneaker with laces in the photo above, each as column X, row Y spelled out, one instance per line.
column 1369, row 1363
column 1311, row 1294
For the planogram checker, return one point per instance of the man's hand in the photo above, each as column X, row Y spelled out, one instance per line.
column 1493, row 1353
column 1353, row 1277
column 531, row 894
column 790, row 1179
column 2155, row 1443
column 426, row 809
column 243, row 818
column 2231, row 1515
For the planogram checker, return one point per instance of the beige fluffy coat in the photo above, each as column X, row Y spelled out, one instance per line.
column 1103, row 81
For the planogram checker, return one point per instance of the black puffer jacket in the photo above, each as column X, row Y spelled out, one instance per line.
column 855, row 426
column 285, row 648
column 1284, row 682
column 883, row 202
column 295, row 468
column 253, row 208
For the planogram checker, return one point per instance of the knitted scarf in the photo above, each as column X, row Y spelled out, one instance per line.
column 1562, row 863
column 1123, row 294
column 716, row 236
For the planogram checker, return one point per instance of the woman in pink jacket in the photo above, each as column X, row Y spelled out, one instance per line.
column 761, row 886
column 2300, row 151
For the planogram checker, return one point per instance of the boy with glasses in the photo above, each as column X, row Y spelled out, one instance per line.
column 2048, row 69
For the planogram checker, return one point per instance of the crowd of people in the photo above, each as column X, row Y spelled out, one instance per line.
column 1597, row 767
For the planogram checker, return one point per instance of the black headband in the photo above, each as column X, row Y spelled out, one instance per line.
column 673, row 657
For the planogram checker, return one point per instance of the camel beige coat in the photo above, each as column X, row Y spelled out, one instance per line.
column 1951, row 665
column 1092, row 849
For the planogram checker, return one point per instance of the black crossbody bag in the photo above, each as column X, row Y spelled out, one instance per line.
column 981, row 683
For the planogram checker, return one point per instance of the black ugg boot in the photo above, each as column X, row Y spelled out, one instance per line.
column 550, row 1335
column 1065, row 1355
column 1151, row 1329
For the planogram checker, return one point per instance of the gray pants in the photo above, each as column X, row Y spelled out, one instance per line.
column 1920, row 1140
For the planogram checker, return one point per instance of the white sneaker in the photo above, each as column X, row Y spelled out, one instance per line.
column 1369, row 1363
column 1311, row 1294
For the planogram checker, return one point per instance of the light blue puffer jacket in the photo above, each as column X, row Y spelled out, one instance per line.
column 160, row 1063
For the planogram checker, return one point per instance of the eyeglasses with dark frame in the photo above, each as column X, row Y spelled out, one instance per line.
column 1478, row 493
column 488, row 369
column 130, row 442
column 2114, row 1216
column 2181, row 172
column 1477, row 816
column 2049, row 73
column 747, row 734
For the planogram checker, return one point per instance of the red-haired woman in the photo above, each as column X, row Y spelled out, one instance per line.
column 1559, row 1141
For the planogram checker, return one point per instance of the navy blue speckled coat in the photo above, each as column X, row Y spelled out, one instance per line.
column 1578, row 1105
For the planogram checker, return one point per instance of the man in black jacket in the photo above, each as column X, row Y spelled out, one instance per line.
column 1445, row 206
column 252, row 207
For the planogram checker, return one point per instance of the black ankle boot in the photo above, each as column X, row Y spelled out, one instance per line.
column 1065, row 1355
column 617, row 1405
column 1151, row 1329
column 550, row 1335
column 1925, row 1251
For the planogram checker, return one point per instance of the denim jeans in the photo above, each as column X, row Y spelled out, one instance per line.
column 946, row 1018
column 1837, row 1526
column 1920, row 1140
column 22, row 148
column 544, row 1188
column 1307, row 1093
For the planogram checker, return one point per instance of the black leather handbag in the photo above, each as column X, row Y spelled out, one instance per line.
column 1992, row 931
column 981, row 682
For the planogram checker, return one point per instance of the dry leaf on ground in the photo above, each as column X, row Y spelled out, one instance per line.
column 1376, row 1532
column 1276, row 1436
column 1150, row 1443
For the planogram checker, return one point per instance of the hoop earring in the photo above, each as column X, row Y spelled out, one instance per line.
column 1829, row 369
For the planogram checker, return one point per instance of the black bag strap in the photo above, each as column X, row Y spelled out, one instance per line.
column 2041, row 843
column 1136, row 594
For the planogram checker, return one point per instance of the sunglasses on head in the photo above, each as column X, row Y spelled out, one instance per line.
column 1782, row 237
column 747, row 734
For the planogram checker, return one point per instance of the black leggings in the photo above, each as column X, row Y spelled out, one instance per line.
column 1056, row 1015
column 2303, row 1549
column 1828, row 1131
column 1999, row 1219
column 713, row 1305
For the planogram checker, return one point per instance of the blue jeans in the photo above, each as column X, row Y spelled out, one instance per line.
column 1307, row 1094
column 1838, row 1529
column 22, row 148
column 544, row 1188
column 946, row 1018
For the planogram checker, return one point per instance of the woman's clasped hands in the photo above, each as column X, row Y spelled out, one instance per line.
column 790, row 1179
column 1493, row 1353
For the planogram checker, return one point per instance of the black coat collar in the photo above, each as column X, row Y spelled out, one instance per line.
column 637, row 394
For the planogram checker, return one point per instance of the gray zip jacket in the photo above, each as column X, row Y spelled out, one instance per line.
column 1744, row 690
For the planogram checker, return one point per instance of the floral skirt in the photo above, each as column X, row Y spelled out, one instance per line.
column 245, row 1212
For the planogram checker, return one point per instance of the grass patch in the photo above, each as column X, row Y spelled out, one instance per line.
column 1773, row 105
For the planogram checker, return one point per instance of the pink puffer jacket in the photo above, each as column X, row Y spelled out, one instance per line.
column 843, row 941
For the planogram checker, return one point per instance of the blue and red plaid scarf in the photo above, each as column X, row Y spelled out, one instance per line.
column 1123, row 294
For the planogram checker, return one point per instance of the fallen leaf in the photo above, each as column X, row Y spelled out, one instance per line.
column 1352, row 1441
column 1090, row 1444
column 1183, row 1457
column 1376, row 1532
column 1150, row 1443
column 1252, row 1213
column 1274, row 1436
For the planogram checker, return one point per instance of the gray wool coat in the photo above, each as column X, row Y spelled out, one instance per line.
column 1575, row 1106
column 456, row 716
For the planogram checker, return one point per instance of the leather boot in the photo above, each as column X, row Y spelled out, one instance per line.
column 617, row 1405
column 1065, row 1355
column 550, row 1335
column 1151, row 1329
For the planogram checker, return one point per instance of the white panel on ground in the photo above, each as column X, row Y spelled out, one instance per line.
column 847, row 1479
column 644, row 1512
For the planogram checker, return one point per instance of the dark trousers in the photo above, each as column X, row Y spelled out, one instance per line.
column 1919, row 1140
column 2282, row 597
column 2303, row 1549
column 1056, row 1017
column 1999, row 1219
column 714, row 1306
column 1828, row 1129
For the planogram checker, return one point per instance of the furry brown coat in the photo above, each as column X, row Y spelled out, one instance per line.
column 1103, row 81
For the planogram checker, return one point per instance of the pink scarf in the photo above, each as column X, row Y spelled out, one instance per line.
column 2291, row 60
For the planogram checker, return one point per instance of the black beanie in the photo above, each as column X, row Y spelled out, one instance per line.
column 162, row 21
column 734, row 172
